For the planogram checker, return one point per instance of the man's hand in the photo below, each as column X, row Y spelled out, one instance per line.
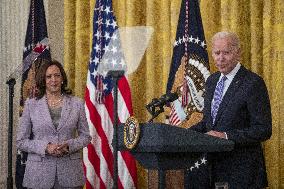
column 216, row 134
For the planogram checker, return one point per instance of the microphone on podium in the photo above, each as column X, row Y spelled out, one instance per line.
column 160, row 103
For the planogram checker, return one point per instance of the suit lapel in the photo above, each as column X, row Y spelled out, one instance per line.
column 66, row 108
column 44, row 111
column 232, row 90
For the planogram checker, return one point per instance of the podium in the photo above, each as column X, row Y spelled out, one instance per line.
column 165, row 147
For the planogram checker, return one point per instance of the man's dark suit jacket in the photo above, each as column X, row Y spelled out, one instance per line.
column 245, row 115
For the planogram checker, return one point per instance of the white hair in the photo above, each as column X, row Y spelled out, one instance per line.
column 234, row 39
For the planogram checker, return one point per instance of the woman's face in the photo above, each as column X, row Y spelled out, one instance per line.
column 53, row 79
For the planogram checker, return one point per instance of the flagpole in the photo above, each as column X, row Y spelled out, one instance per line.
column 11, row 83
column 116, row 75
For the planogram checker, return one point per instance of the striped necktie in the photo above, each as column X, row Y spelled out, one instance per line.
column 217, row 98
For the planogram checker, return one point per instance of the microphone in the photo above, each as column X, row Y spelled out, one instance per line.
column 166, row 98
column 156, row 106
column 163, row 100
column 153, row 102
column 170, row 97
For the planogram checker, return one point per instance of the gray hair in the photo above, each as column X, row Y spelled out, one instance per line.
column 234, row 39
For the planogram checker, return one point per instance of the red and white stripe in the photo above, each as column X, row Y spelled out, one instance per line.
column 174, row 118
column 98, row 156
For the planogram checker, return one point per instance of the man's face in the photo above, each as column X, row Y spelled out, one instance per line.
column 225, row 55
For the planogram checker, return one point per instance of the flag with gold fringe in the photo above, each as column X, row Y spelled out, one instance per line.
column 188, row 73
column 36, row 46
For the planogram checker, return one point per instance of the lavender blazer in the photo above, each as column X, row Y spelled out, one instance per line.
column 41, row 169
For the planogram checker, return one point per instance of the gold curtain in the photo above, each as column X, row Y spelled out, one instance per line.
column 259, row 23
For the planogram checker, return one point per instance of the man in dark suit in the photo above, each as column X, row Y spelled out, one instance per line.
column 237, row 108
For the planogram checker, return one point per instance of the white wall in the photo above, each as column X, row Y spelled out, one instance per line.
column 14, row 15
column 13, row 24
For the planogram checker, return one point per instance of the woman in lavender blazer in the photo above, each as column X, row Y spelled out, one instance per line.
column 59, row 127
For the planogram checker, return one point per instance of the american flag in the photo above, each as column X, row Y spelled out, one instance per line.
column 98, row 156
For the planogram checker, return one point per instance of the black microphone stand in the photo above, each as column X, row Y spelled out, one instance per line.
column 11, row 83
column 152, row 110
column 155, row 112
column 116, row 75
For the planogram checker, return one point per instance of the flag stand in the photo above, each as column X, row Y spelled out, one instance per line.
column 11, row 83
column 116, row 75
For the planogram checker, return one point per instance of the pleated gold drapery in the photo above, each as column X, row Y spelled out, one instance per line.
column 259, row 23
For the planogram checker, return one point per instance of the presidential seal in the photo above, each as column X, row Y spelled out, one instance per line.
column 131, row 132
column 189, row 83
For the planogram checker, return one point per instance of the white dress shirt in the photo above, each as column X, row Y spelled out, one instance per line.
column 230, row 76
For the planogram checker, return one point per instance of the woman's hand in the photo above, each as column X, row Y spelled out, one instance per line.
column 51, row 149
column 63, row 148
column 57, row 150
